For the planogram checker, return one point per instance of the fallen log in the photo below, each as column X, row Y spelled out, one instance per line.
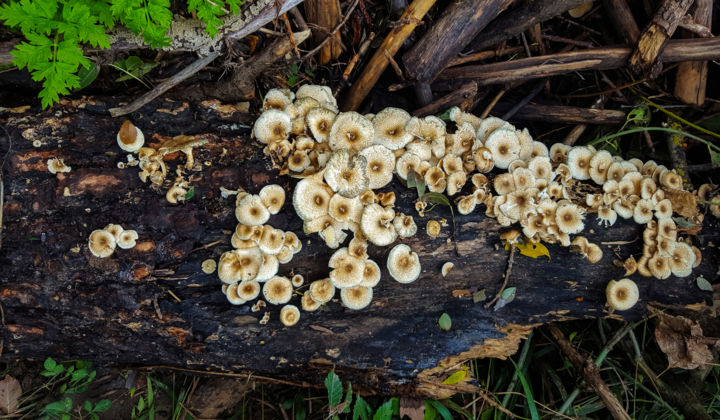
column 701, row 49
column 152, row 305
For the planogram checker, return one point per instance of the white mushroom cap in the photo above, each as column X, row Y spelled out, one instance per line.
column 357, row 297
column 272, row 240
column 322, row 94
column 127, row 239
column 489, row 125
column 615, row 172
column 231, row 293
column 130, row 138
column 504, row 183
column 389, row 125
column 607, row 216
column 268, row 269
column 320, row 121
column 293, row 242
column 671, row 180
column 297, row 280
column 251, row 211
column 308, row 304
column 431, row 129
column 504, row 146
column 403, row 264
column 239, row 264
column 248, row 290
column 101, row 243
column 406, row 163
column 539, row 149
column 322, row 291
column 285, row 255
column 599, row 165
column 446, row 268
column 466, row 204
column 422, row 148
column 376, row 224
column 272, row 126
column 659, row 267
column 351, row 131
column 540, row 167
column 346, row 174
column 311, row 198
column 559, row 152
column 345, row 209
column 460, row 117
column 455, row 182
column 380, row 165
column 348, row 269
column 277, row 99
column 622, row 294
column 569, row 218
column 404, row 225
column 578, row 160
column 115, row 230
column 371, row 274
column 273, row 197
column 663, row 209
column 289, row 315
column 278, row 290
column 56, row 165
column 483, row 158
column 682, row 260
column 643, row 211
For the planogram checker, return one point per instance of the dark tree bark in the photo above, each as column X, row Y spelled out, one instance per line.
column 152, row 305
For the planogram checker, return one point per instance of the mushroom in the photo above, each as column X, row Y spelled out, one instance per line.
column 322, row 291
column 682, row 260
column 659, row 267
column 208, row 266
column 466, row 204
column 433, row 228
column 643, row 211
column 311, row 198
column 278, row 290
column 130, row 138
column 380, row 163
column 371, row 274
column 322, row 94
column 357, row 297
column 345, row 209
column 320, row 121
column 175, row 193
column 248, row 290
column 273, row 197
column 351, row 131
column 127, row 239
column 578, row 159
column 671, row 180
column 403, row 264
column 504, row 145
column 346, row 174
column 599, row 165
column 389, row 126
column 377, row 224
column 404, row 225
column 559, row 152
column 272, row 126
column 269, row 267
column 622, row 294
column 115, row 230
column 489, row 125
column 56, row 165
column 183, row 144
column 483, row 158
column 289, row 315
column 251, row 211
column 569, row 218
column 292, row 242
column 231, row 293
column 101, row 243
column 446, row 268
column 239, row 264
column 272, row 240
column 277, row 99
column 297, row 280
column 347, row 269
column 386, row 199
column 308, row 304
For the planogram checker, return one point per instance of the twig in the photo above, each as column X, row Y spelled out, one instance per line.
column 332, row 33
column 393, row 64
column 529, row 97
column 492, row 103
column 299, row 19
column 163, row 87
column 361, row 52
column 564, row 40
column 289, row 31
column 511, row 258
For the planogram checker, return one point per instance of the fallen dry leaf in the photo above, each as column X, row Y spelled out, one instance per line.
column 413, row 408
column 682, row 341
column 10, row 392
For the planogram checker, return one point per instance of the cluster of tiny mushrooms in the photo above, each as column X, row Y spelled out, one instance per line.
column 343, row 157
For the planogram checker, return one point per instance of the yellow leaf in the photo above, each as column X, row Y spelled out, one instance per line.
column 455, row 377
column 532, row 250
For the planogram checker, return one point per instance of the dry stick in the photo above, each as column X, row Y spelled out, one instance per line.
column 691, row 78
column 524, row 101
column 163, row 87
column 354, row 60
column 289, row 31
column 324, row 15
column 511, row 258
column 466, row 91
column 569, row 114
column 651, row 43
column 622, row 20
column 482, row 55
column 699, row 49
column 493, row 102
column 394, row 64
column 690, row 24
column 584, row 44
column 591, row 374
column 299, row 19
column 579, row 129
column 392, row 43
column 332, row 33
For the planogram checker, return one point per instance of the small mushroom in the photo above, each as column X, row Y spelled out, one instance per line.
column 346, row 174
column 446, row 268
column 272, row 240
column 308, row 304
column 115, row 230
column 504, row 146
column 239, row 264
column 248, row 290
column 569, row 218
column 578, row 159
column 403, row 264
column 56, row 165
column 357, row 297
column 322, row 291
column 433, row 228
column 297, row 280
column 377, row 225
column 231, row 293
column 347, row 269
column 278, row 290
column 311, row 198
column 351, row 131
column 208, row 266
column 127, row 239
column 269, row 267
column 289, row 315
column 251, row 211
column 101, row 243
column 622, row 294
column 380, row 163
column 371, row 274
column 389, row 127
column 130, row 138
column 404, row 225
column 272, row 126
column 273, row 197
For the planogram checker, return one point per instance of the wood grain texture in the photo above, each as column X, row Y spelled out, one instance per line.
column 60, row 301
column 691, row 77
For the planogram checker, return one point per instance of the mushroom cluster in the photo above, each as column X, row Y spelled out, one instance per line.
column 103, row 242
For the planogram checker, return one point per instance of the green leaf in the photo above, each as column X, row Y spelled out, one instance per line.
column 361, row 410
column 703, row 284
column 348, row 399
column 479, row 296
column 102, row 406
column 528, row 392
column 509, row 293
column 334, row 388
column 87, row 406
column 445, row 322
column 190, row 193
column 87, row 75
column 141, row 404
column 440, row 408
column 455, row 377
column 436, row 197
column 714, row 156
column 384, row 412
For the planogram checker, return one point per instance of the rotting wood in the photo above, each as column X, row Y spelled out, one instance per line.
column 458, row 97
column 569, row 114
column 60, row 301
column 372, row 71
column 645, row 58
column 458, row 25
column 324, row 15
column 700, row 49
column 691, row 77
column 520, row 19
column 623, row 21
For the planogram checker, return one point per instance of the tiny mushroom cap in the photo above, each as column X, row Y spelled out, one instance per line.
column 311, row 198
column 406, row 163
column 559, row 152
column 599, row 165
column 175, row 193
column 376, row 224
column 345, row 209
column 540, row 167
column 289, row 315
column 322, row 94
column 371, row 274
column 593, row 253
column 622, row 294
column 273, row 197
column 308, row 304
column 322, row 291
column 504, row 146
column 667, row 229
column 446, row 268
column 504, row 183
column 127, row 239
column 380, row 165
column 130, row 138
column 285, row 255
column 347, row 269
column 56, row 165
column 455, row 182
column 403, row 264
column 358, row 246
column 351, row 131
column 659, row 267
column 389, row 125
column 404, row 225
column 483, row 158
column 297, row 280
column 357, row 297
column 248, row 290
column 239, row 264
column 578, row 160
column 208, row 266
column 231, row 292
column 346, row 174
column 466, row 204
column 671, row 180
column 320, row 121
column 251, row 211
column 115, row 230
column 293, row 242
column 101, row 243
column 643, row 212
column 663, row 209
column 433, row 228
column 277, row 99
column 682, row 259
column 272, row 240
column 630, row 265
column 489, row 125
column 278, row 290
column 269, row 267
column 272, row 126
column 569, row 218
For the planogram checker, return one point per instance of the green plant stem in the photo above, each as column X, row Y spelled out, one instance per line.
column 667, row 130
column 521, row 365
column 679, row 118
column 568, row 402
